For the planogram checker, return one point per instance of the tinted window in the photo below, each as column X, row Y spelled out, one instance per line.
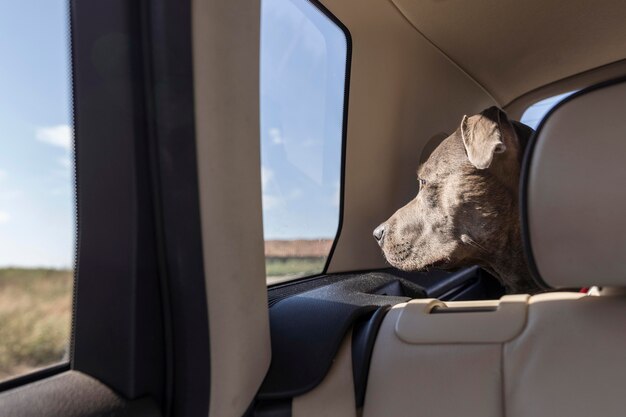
column 535, row 113
column 303, row 71
column 37, row 214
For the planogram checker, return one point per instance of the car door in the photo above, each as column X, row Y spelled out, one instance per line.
column 112, row 85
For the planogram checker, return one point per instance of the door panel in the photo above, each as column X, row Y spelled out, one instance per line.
column 72, row 394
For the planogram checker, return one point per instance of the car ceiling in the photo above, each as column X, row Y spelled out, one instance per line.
column 512, row 47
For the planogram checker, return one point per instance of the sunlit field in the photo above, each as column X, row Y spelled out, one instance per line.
column 280, row 269
column 288, row 259
column 35, row 318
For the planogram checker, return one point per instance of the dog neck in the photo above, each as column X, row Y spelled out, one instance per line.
column 509, row 264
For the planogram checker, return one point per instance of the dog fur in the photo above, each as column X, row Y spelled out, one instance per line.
column 466, row 211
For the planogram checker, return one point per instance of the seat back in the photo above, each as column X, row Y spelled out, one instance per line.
column 567, row 359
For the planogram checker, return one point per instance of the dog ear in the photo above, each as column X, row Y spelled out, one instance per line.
column 483, row 136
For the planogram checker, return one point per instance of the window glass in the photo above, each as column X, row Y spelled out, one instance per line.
column 535, row 113
column 303, row 72
column 37, row 213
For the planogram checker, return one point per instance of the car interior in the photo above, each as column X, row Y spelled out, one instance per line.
column 173, row 312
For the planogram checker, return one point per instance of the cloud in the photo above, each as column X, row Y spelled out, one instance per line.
column 271, row 202
column 4, row 217
column 276, row 136
column 267, row 175
column 3, row 174
column 60, row 135
column 272, row 196
column 65, row 162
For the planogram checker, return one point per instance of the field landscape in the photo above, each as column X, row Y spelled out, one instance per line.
column 35, row 318
column 288, row 259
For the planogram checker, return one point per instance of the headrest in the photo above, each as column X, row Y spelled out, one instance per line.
column 573, row 191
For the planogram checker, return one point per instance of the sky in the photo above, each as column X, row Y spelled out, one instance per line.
column 37, row 220
column 303, row 61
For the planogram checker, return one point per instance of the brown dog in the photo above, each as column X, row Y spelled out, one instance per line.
column 466, row 211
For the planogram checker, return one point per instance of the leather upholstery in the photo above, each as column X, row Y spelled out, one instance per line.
column 334, row 397
column 431, row 379
column 569, row 359
column 575, row 200
column 479, row 327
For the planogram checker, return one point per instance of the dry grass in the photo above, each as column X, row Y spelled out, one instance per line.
column 278, row 267
column 35, row 318
column 289, row 259
column 298, row 248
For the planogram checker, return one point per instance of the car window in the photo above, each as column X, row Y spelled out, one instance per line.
column 303, row 75
column 534, row 114
column 37, row 198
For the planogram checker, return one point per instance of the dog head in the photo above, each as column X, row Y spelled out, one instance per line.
column 466, row 208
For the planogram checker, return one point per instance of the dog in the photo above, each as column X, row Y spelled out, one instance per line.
column 466, row 211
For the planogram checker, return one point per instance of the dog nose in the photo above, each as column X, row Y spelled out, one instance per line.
column 379, row 233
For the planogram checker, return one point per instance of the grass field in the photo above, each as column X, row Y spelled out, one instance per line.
column 36, row 311
column 293, row 267
column 35, row 318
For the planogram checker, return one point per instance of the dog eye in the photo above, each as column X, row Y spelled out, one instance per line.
column 421, row 182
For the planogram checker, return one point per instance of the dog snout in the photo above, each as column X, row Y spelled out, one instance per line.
column 379, row 233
